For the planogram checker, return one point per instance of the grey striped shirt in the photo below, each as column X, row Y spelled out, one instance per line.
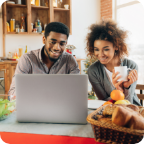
column 32, row 63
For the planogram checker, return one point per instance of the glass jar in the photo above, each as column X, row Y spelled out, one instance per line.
column 42, row 2
column 17, row 28
column 59, row 3
column 37, row 2
column 32, row 26
column 23, row 22
column 33, row 2
column 18, row 2
column 55, row 3
column 46, row 3
column 12, row 25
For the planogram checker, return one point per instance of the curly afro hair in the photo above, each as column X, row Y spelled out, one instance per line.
column 109, row 31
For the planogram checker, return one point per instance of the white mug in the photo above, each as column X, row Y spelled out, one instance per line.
column 123, row 71
column 66, row 6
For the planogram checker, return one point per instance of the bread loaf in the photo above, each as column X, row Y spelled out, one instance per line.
column 133, row 107
column 142, row 111
column 121, row 116
column 109, row 109
column 136, row 122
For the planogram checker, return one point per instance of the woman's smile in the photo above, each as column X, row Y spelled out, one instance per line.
column 103, row 59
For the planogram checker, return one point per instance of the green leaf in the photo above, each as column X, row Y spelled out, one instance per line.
column 6, row 106
column 2, row 108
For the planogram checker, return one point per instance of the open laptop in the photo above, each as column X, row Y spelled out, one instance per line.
column 52, row 98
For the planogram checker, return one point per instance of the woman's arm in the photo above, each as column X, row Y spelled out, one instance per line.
column 129, row 92
column 128, row 88
column 97, row 86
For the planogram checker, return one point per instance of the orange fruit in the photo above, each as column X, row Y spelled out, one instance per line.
column 107, row 102
column 117, row 95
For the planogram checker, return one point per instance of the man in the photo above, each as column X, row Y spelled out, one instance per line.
column 51, row 58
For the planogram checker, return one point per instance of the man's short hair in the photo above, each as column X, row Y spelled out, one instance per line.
column 56, row 27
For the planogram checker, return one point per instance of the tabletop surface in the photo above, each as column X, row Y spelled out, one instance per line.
column 11, row 125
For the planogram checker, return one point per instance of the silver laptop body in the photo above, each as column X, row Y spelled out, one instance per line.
column 52, row 98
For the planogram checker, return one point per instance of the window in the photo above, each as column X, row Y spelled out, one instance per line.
column 120, row 2
column 129, row 15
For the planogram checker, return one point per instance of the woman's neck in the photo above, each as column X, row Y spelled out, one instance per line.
column 115, row 62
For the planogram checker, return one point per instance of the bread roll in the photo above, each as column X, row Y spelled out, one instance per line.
column 136, row 122
column 142, row 111
column 109, row 109
column 133, row 107
column 121, row 116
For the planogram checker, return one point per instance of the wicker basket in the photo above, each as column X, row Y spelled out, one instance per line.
column 111, row 133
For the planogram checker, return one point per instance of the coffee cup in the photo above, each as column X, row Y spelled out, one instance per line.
column 123, row 71
column 66, row 6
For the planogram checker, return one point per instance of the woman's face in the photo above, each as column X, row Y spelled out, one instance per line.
column 104, row 51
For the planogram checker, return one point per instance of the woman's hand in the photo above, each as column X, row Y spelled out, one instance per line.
column 118, row 84
column 132, row 77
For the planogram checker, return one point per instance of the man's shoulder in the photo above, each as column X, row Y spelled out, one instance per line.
column 32, row 53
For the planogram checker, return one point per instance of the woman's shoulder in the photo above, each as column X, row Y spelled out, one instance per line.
column 95, row 67
column 129, row 63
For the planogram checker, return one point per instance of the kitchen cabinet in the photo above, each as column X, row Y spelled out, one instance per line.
column 45, row 14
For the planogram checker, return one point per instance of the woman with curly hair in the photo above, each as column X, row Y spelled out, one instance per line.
column 106, row 42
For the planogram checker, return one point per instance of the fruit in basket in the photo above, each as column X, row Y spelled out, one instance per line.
column 117, row 95
column 107, row 102
column 122, row 102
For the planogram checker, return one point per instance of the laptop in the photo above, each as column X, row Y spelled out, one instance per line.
column 52, row 98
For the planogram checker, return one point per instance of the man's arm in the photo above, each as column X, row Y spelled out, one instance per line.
column 23, row 67
column 73, row 66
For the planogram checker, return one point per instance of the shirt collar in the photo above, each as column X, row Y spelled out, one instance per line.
column 40, row 54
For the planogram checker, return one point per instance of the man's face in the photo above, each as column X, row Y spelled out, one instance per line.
column 55, row 45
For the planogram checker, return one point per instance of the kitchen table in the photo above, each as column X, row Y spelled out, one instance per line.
column 13, row 132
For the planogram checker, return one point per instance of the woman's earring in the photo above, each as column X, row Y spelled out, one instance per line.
column 116, row 52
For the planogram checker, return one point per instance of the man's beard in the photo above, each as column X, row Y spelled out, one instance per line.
column 50, row 58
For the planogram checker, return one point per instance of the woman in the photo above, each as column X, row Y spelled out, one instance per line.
column 106, row 42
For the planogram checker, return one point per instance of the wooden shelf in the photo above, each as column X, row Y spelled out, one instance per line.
column 39, row 7
column 36, row 33
column 60, row 9
column 15, row 5
column 32, row 13
column 17, row 33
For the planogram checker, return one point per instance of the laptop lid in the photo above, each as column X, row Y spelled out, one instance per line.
column 53, row 98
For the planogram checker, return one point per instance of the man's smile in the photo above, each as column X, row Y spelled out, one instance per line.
column 55, row 53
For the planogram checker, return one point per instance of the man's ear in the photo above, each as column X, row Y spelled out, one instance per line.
column 44, row 40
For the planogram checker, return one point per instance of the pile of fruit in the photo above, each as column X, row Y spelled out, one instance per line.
column 117, row 97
